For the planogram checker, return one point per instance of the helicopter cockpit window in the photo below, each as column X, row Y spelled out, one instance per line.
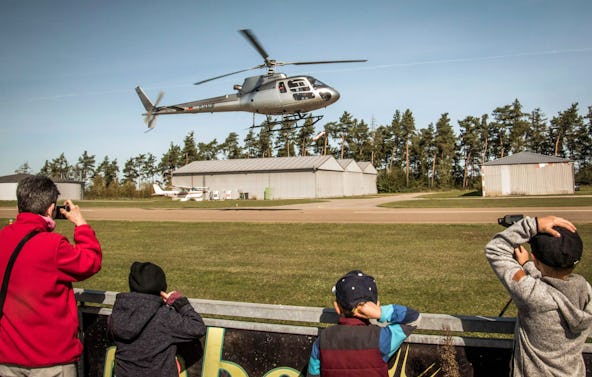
column 316, row 83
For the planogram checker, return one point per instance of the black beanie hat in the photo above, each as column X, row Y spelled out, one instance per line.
column 560, row 252
column 354, row 288
column 146, row 277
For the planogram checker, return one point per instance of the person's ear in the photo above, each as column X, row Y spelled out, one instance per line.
column 50, row 210
column 337, row 307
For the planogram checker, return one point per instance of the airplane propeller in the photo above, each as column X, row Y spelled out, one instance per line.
column 271, row 63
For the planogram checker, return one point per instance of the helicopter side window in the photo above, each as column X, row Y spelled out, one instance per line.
column 300, row 96
column 298, row 86
column 282, row 87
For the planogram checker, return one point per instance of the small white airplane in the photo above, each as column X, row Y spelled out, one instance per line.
column 195, row 193
column 158, row 191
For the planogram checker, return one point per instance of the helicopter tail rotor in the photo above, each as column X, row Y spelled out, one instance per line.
column 151, row 108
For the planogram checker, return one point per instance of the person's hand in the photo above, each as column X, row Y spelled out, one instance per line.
column 170, row 297
column 73, row 215
column 521, row 255
column 546, row 224
column 368, row 310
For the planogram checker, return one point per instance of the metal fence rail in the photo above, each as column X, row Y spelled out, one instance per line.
column 475, row 331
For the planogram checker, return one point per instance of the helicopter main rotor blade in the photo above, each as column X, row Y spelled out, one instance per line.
column 324, row 62
column 228, row 74
column 248, row 34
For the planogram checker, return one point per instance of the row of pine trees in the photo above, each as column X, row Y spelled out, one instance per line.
column 407, row 158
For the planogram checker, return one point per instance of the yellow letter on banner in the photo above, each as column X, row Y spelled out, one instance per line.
column 212, row 361
column 283, row 372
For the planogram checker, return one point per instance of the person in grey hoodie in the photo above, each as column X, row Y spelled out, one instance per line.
column 147, row 323
column 554, row 304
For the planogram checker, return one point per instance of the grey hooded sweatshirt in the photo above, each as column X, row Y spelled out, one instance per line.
column 146, row 333
column 554, row 315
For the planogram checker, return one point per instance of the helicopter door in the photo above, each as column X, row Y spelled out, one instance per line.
column 300, row 89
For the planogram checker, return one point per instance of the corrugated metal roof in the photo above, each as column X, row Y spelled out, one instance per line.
column 367, row 167
column 13, row 178
column 260, row 164
column 526, row 158
column 349, row 164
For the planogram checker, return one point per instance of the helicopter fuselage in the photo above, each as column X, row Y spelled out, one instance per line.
column 274, row 94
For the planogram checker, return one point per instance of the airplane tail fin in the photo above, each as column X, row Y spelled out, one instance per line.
column 157, row 189
column 151, row 108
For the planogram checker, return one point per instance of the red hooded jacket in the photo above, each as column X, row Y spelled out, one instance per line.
column 40, row 323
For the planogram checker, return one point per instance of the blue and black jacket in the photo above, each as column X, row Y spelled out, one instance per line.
column 357, row 348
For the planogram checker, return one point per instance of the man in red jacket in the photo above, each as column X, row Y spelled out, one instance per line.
column 39, row 323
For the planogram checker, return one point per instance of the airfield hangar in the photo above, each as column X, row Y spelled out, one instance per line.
column 527, row 173
column 280, row 177
column 68, row 189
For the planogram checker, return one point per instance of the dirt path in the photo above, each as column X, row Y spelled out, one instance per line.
column 332, row 211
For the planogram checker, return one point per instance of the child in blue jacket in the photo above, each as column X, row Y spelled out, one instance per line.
column 355, row 347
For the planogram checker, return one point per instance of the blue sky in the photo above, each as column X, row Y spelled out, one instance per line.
column 68, row 68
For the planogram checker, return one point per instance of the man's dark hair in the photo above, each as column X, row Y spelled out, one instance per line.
column 35, row 194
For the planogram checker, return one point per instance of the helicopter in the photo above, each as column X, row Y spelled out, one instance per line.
column 272, row 94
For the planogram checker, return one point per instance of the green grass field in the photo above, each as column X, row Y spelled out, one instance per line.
column 434, row 268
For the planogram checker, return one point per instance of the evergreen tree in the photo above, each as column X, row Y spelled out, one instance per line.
column 499, row 131
column 85, row 167
column 149, row 168
column 340, row 131
column 444, row 153
column 518, row 127
column 407, row 132
column 109, row 170
column 231, row 147
column 250, row 142
column 380, row 151
column 208, row 151
column 265, row 141
column 304, row 136
column 57, row 169
column 469, row 147
column 286, row 139
column 395, row 141
column 24, row 169
column 360, row 142
column 484, row 136
column 169, row 162
column 131, row 171
column 563, row 128
column 422, row 151
column 190, row 151
column 332, row 131
column 537, row 135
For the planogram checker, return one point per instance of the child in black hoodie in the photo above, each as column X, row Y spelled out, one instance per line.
column 147, row 324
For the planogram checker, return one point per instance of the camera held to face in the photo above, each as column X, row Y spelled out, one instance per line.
column 58, row 214
column 509, row 220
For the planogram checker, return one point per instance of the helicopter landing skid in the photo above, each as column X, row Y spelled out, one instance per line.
column 288, row 119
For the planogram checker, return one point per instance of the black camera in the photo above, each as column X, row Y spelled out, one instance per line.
column 509, row 220
column 58, row 213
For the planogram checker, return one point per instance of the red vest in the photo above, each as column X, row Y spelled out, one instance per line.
column 351, row 349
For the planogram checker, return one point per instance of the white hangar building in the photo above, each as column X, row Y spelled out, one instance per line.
column 279, row 177
column 68, row 189
column 527, row 173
